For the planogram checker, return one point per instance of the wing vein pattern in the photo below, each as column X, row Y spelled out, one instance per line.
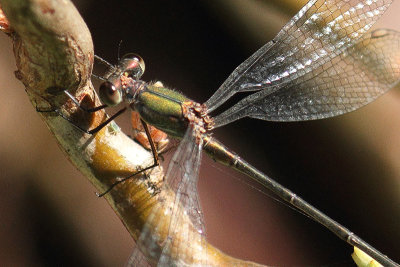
column 352, row 79
column 319, row 32
column 185, row 230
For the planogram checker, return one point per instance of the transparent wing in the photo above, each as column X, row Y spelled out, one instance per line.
column 138, row 259
column 348, row 81
column 317, row 33
column 183, row 174
column 186, row 232
column 182, row 177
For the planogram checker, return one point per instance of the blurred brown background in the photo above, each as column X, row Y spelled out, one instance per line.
column 349, row 166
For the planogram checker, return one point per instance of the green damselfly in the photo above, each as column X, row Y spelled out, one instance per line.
column 321, row 64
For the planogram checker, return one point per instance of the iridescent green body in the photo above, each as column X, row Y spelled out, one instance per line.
column 162, row 108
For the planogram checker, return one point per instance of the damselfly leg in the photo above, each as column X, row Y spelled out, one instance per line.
column 155, row 163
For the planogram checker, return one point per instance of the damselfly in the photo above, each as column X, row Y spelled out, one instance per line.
column 321, row 64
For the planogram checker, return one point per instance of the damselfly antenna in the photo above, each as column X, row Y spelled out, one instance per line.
column 119, row 50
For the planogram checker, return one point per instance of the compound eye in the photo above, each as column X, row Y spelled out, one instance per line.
column 133, row 65
column 109, row 94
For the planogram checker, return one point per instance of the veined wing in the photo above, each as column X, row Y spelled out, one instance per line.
column 138, row 259
column 186, row 233
column 348, row 81
column 320, row 31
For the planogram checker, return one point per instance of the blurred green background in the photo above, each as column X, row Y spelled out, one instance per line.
column 348, row 166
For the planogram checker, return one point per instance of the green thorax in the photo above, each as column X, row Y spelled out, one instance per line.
column 162, row 108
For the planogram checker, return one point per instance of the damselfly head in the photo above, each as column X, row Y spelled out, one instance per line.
column 132, row 66
column 129, row 69
column 110, row 94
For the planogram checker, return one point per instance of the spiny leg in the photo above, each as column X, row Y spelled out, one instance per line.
column 101, row 78
column 155, row 164
column 105, row 62
column 88, row 110
column 102, row 125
